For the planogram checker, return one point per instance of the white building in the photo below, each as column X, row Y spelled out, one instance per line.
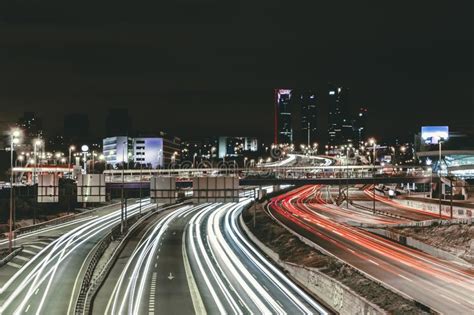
column 146, row 151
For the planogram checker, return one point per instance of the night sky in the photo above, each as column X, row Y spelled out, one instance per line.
column 209, row 67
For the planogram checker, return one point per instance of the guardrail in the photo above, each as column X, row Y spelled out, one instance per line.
column 90, row 286
column 10, row 256
column 52, row 222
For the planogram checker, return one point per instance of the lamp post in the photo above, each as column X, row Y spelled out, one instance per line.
column 14, row 139
column 347, row 176
column 36, row 144
column 85, row 149
column 71, row 148
column 372, row 142
column 440, row 186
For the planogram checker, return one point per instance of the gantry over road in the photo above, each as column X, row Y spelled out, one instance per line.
column 296, row 175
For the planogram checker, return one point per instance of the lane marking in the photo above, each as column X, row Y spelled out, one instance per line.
column 27, row 308
column 34, row 246
column 375, row 263
column 151, row 303
column 12, row 264
column 405, row 278
column 198, row 304
column 22, row 258
column 29, row 252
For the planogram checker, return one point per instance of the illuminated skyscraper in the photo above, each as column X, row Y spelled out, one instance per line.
column 360, row 126
column 340, row 129
column 304, row 104
column 283, row 117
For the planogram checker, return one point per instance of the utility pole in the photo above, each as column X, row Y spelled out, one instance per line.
column 141, row 167
column 14, row 139
column 122, row 222
column 309, row 134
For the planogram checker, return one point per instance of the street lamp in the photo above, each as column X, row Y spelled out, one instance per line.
column 71, row 148
column 372, row 142
column 14, row 139
column 84, row 149
column 36, row 144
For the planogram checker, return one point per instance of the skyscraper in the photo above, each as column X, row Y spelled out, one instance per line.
column 360, row 126
column 283, row 117
column 304, row 115
column 31, row 125
column 340, row 129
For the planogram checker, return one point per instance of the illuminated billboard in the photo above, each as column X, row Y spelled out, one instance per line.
column 433, row 134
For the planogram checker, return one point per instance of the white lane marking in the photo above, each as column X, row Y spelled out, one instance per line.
column 29, row 252
column 198, row 304
column 12, row 264
column 34, row 246
column 22, row 258
column 27, row 308
column 36, row 292
column 151, row 306
column 452, row 300
column 373, row 262
column 405, row 278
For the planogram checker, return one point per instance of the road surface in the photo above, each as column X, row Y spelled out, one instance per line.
column 444, row 286
column 50, row 281
column 196, row 260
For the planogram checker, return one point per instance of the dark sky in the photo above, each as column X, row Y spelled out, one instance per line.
column 209, row 67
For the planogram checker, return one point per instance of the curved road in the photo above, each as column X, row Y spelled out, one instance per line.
column 196, row 260
column 444, row 286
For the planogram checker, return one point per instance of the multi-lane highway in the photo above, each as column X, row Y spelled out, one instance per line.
column 196, row 259
column 444, row 286
column 49, row 282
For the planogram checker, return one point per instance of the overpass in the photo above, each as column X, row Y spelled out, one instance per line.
column 330, row 175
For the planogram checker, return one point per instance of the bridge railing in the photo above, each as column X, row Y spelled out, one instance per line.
column 295, row 172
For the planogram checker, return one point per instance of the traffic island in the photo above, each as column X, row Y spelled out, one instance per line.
column 337, row 284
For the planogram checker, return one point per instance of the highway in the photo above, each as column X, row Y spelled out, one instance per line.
column 48, row 283
column 196, row 260
column 33, row 242
column 444, row 286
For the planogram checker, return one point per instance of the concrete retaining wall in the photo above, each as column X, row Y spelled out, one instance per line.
column 335, row 294
column 458, row 212
column 409, row 241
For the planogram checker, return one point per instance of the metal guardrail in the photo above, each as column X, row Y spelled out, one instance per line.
column 89, row 285
column 10, row 256
column 52, row 222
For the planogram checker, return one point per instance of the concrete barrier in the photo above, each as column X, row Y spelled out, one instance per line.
column 410, row 241
column 458, row 212
column 335, row 294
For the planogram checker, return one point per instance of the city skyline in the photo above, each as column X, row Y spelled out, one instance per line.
column 176, row 67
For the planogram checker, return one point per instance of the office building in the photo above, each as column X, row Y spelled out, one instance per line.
column 283, row 129
column 360, row 126
column 340, row 129
column 236, row 146
column 150, row 152
column 31, row 125
column 304, row 105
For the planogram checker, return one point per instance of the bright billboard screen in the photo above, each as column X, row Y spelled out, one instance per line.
column 432, row 134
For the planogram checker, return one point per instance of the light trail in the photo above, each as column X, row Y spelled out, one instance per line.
column 389, row 262
column 42, row 268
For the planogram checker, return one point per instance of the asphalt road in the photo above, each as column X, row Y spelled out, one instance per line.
column 149, row 275
column 232, row 275
column 444, row 286
column 196, row 260
column 49, row 282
